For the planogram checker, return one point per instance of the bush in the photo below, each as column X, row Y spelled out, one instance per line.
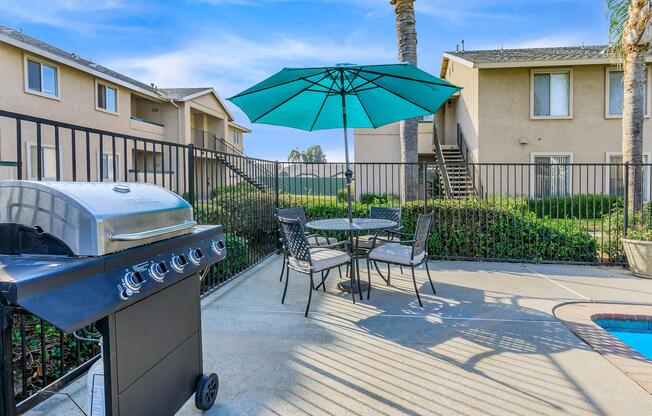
column 343, row 195
column 639, row 227
column 238, row 257
column 377, row 199
column 478, row 229
column 589, row 206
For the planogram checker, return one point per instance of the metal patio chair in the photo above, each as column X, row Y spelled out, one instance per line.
column 407, row 253
column 307, row 259
column 381, row 213
column 314, row 239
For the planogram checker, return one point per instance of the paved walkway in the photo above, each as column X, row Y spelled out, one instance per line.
column 487, row 344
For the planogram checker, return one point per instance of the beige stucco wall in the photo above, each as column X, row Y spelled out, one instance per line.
column 464, row 108
column 504, row 119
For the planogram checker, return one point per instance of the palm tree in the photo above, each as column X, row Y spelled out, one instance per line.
column 313, row 154
column 407, row 52
column 630, row 35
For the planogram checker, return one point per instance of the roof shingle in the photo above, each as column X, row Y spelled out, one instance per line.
column 534, row 54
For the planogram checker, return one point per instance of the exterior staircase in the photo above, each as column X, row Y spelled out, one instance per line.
column 247, row 170
column 461, row 184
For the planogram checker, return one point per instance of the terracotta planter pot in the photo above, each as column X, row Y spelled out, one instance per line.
column 639, row 257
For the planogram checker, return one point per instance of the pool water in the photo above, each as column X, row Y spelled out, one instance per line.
column 636, row 334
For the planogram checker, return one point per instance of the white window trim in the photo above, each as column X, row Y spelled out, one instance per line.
column 606, row 92
column 26, row 58
column 570, row 92
column 533, row 182
column 117, row 99
column 117, row 168
column 34, row 175
column 607, row 181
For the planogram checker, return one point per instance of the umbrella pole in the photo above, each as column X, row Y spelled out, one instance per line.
column 348, row 173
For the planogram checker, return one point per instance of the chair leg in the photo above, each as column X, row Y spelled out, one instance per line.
column 414, row 279
column 357, row 275
column 401, row 269
column 287, row 277
column 389, row 281
column 323, row 282
column 379, row 273
column 339, row 269
column 428, row 273
column 312, row 288
column 352, row 278
column 368, row 279
column 283, row 266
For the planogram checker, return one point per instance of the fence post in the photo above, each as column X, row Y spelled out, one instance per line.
column 425, row 186
column 276, row 183
column 626, row 205
column 7, row 400
column 19, row 149
column 191, row 174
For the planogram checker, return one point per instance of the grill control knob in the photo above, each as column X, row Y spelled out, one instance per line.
column 195, row 256
column 126, row 294
column 179, row 262
column 217, row 246
column 158, row 271
column 133, row 281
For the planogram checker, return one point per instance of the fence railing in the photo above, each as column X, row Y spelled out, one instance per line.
column 548, row 211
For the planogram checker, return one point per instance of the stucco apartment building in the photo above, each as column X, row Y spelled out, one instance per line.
column 41, row 80
column 532, row 106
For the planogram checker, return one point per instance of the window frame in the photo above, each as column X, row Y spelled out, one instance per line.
column 41, row 62
column 118, row 168
column 235, row 137
column 117, row 99
column 535, row 71
column 647, row 177
column 34, row 175
column 533, row 179
column 610, row 69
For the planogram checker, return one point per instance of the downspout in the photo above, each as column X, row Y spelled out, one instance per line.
column 178, row 119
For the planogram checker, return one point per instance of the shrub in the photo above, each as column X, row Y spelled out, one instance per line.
column 589, row 206
column 238, row 257
column 639, row 227
column 377, row 199
column 343, row 195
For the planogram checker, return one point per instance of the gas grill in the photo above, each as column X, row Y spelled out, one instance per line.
column 125, row 256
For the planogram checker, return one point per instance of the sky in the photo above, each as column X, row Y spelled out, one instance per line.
column 232, row 44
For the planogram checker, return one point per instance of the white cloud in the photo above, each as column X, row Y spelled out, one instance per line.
column 232, row 63
column 552, row 40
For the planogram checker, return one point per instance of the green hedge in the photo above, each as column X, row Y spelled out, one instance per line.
column 473, row 229
column 587, row 206
column 639, row 227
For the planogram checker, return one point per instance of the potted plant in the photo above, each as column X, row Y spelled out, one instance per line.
column 638, row 248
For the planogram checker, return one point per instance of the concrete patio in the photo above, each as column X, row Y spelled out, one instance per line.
column 486, row 344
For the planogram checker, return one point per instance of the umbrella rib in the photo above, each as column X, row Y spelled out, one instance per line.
column 366, row 112
column 284, row 101
column 322, row 105
column 410, row 79
column 400, row 96
column 242, row 94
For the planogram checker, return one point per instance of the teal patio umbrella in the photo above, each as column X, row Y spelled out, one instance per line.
column 344, row 96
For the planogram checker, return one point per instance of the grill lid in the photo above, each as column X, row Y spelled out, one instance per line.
column 96, row 218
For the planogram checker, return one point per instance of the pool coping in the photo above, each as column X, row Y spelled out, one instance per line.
column 579, row 318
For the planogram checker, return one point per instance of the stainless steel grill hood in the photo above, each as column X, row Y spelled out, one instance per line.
column 96, row 218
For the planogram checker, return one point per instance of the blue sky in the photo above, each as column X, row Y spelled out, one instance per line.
column 232, row 44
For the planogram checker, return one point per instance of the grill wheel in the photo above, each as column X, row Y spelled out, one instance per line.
column 206, row 391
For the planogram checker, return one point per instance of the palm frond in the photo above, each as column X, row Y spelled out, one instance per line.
column 617, row 15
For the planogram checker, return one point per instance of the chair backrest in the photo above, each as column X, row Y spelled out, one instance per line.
column 294, row 238
column 297, row 213
column 424, row 223
column 384, row 213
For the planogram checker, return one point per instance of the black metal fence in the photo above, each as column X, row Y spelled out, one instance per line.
column 550, row 210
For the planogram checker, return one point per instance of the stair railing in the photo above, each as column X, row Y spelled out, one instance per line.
column 440, row 161
column 471, row 167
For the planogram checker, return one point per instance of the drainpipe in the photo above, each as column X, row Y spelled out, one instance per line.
column 178, row 118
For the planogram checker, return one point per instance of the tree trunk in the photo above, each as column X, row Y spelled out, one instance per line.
column 407, row 52
column 633, row 112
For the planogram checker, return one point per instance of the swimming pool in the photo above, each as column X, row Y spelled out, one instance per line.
column 635, row 333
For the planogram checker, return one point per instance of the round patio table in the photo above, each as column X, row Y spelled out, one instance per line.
column 354, row 229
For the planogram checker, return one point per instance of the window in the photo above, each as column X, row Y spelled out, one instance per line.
column 41, row 78
column 551, row 94
column 551, row 174
column 616, row 175
column 48, row 162
column 235, row 136
column 107, row 167
column 107, row 98
column 615, row 93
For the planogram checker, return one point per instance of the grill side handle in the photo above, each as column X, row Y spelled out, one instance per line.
column 151, row 233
